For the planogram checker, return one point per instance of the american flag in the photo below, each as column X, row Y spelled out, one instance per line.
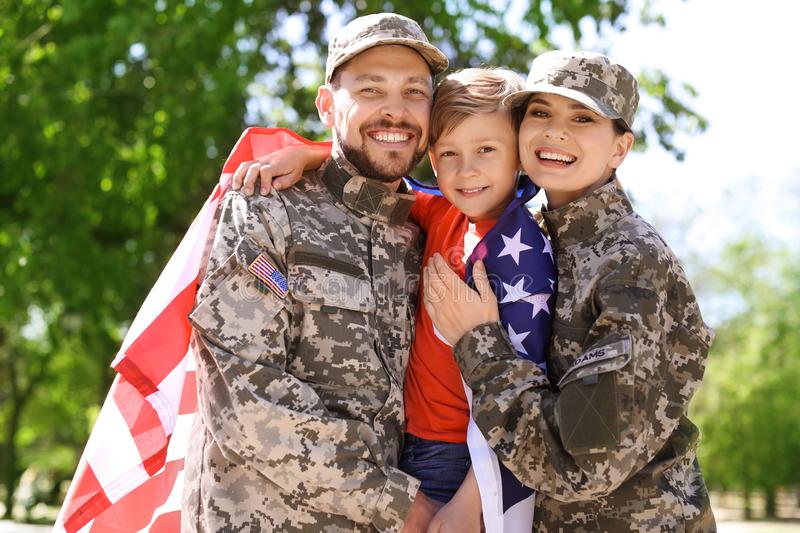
column 519, row 262
column 263, row 269
column 130, row 476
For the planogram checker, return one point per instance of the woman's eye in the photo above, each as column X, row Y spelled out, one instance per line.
column 538, row 113
column 584, row 119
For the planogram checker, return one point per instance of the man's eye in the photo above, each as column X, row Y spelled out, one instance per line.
column 369, row 90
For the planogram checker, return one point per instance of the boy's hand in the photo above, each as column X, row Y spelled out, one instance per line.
column 453, row 307
column 463, row 513
column 280, row 169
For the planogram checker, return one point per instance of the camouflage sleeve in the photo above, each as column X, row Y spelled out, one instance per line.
column 260, row 415
column 610, row 413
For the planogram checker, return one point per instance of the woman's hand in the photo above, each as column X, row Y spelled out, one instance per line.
column 462, row 514
column 280, row 169
column 452, row 305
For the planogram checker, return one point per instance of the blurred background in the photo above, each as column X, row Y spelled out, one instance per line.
column 116, row 117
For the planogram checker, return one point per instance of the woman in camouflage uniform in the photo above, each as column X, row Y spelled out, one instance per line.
column 603, row 435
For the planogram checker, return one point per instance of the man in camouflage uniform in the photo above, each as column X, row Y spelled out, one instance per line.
column 603, row 436
column 304, row 318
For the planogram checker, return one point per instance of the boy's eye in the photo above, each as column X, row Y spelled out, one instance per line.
column 486, row 149
column 447, row 153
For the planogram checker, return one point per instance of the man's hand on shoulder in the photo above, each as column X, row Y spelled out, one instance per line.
column 421, row 513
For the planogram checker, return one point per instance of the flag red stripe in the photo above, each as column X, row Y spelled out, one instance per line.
column 162, row 345
column 189, row 395
column 146, row 429
column 87, row 501
column 135, row 510
column 167, row 523
column 262, row 268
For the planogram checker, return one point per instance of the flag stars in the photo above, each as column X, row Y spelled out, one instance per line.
column 513, row 246
column 517, row 338
column 548, row 249
column 514, row 292
column 539, row 302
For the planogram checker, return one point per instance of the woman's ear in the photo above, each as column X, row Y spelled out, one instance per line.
column 324, row 103
column 622, row 146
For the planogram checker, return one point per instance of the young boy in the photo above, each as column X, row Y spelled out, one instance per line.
column 473, row 149
column 602, row 434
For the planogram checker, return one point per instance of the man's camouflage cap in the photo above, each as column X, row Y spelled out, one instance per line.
column 592, row 79
column 380, row 29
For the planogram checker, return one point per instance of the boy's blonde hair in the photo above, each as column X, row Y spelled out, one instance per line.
column 470, row 92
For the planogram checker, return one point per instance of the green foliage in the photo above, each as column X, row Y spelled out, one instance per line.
column 747, row 408
column 117, row 115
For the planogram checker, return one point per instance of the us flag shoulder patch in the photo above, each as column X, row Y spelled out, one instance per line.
column 263, row 269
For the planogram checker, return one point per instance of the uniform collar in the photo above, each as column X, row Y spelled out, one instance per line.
column 587, row 216
column 366, row 197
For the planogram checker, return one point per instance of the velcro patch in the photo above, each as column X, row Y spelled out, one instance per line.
column 604, row 358
column 601, row 354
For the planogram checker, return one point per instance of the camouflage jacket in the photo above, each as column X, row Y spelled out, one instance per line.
column 603, row 436
column 300, row 394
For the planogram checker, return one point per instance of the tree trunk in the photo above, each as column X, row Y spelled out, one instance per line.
column 10, row 471
column 748, row 509
column 19, row 397
column 770, row 503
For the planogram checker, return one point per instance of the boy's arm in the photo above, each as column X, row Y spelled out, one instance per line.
column 463, row 512
column 280, row 169
column 283, row 168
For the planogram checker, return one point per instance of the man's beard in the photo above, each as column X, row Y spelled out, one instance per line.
column 368, row 168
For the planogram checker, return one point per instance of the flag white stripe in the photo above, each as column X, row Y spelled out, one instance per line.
column 487, row 473
column 167, row 399
column 108, row 467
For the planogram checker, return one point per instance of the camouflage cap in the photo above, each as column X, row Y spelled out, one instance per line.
column 592, row 79
column 380, row 29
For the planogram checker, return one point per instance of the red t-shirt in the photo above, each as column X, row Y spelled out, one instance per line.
column 435, row 405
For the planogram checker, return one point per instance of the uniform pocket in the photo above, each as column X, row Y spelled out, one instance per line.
column 593, row 391
column 236, row 312
column 321, row 281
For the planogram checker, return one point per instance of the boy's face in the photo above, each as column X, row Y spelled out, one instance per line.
column 380, row 110
column 476, row 164
column 567, row 149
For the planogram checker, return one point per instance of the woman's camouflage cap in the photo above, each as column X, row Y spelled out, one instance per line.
column 381, row 29
column 595, row 81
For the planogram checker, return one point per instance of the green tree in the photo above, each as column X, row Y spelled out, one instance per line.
column 747, row 409
column 116, row 118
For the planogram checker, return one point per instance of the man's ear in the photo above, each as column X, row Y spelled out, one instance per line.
column 324, row 103
column 433, row 160
column 622, row 146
